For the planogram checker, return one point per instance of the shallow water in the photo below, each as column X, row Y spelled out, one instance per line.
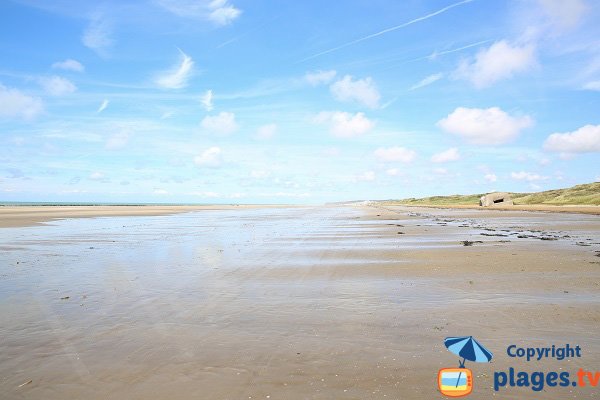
column 306, row 303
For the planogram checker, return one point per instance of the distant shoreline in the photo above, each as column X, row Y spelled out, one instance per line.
column 28, row 215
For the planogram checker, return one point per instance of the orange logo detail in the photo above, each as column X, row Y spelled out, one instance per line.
column 455, row 382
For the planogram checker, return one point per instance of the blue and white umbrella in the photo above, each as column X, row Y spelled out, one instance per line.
column 469, row 349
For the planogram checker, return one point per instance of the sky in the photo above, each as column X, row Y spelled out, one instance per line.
column 256, row 101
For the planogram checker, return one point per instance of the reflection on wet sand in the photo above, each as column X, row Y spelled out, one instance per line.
column 289, row 303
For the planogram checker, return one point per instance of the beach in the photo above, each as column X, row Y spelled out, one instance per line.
column 344, row 301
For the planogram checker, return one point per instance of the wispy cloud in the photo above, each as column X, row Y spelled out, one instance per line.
column 103, row 106
column 436, row 53
column 316, row 78
column 207, row 100
column 220, row 12
column 592, row 85
column 383, row 32
column 57, row 86
column 98, row 35
column 451, row 154
column 15, row 104
column 427, row 81
column 211, row 158
column 527, row 176
column 69, row 65
column 564, row 14
column 223, row 123
column 177, row 77
column 500, row 61
column 362, row 91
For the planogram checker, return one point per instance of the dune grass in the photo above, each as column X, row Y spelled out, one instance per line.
column 585, row 194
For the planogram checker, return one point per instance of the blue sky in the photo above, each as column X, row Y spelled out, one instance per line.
column 255, row 101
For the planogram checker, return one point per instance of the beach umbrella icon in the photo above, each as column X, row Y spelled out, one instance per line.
column 469, row 349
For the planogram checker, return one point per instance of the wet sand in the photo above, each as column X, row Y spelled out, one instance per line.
column 578, row 209
column 339, row 302
column 14, row 216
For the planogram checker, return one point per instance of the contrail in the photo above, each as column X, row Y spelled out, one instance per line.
column 435, row 54
column 433, row 14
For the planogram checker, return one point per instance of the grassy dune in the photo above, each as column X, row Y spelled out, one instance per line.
column 586, row 194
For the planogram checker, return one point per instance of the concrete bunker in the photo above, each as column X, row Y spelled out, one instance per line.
column 496, row 198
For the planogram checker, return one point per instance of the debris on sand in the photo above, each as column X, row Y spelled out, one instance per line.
column 400, row 233
column 65, row 298
column 493, row 234
column 470, row 242
column 548, row 238
column 25, row 383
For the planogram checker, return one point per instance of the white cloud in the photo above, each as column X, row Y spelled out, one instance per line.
column 392, row 154
column 177, row 77
column 427, row 81
column 491, row 178
column 97, row 176
column 489, row 126
column 69, row 65
column 500, row 61
column 392, row 172
column 221, row 12
column 345, row 125
column 367, row 176
column 584, row 140
column 593, row 85
column 266, row 131
column 362, row 91
column 451, row 154
column 440, row 171
column 211, row 157
column 57, row 86
column 527, row 176
column 160, row 191
column 15, row 104
column 97, row 35
column 207, row 100
column 564, row 13
column 224, row 15
column 103, row 106
column 317, row 78
column 222, row 123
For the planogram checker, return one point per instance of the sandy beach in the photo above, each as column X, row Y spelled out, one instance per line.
column 13, row 216
column 331, row 302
